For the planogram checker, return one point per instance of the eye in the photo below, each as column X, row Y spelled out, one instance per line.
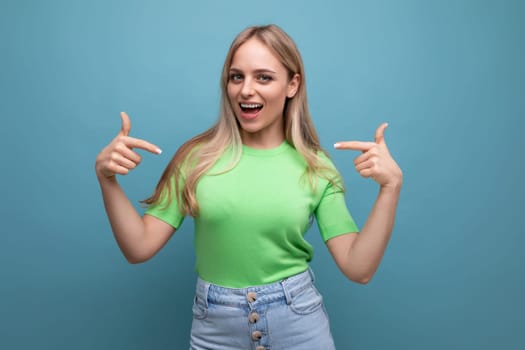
column 264, row 78
column 235, row 77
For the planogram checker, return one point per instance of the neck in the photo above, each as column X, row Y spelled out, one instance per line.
column 260, row 141
column 269, row 137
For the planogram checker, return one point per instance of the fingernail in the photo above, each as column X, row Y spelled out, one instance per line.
column 337, row 145
column 159, row 151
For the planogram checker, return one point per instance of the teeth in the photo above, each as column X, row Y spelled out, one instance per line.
column 251, row 105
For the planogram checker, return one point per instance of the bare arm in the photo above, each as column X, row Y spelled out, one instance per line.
column 139, row 238
column 359, row 256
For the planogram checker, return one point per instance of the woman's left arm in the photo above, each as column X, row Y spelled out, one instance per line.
column 358, row 255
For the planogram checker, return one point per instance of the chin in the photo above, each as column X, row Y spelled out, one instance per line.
column 251, row 129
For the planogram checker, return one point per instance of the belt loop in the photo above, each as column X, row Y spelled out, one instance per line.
column 287, row 295
column 206, row 292
column 312, row 275
column 202, row 291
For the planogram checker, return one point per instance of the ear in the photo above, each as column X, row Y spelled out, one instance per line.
column 293, row 85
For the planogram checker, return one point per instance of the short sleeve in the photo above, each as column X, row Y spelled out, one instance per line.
column 167, row 212
column 332, row 215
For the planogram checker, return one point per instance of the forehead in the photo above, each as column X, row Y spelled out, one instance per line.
column 254, row 55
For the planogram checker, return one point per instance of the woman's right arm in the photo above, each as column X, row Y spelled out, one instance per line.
column 139, row 238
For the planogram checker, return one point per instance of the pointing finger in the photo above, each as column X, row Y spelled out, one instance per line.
column 380, row 133
column 138, row 143
column 355, row 145
column 126, row 124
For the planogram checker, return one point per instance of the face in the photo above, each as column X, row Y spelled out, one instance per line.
column 258, row 86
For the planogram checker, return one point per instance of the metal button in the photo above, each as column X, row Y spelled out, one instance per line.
column 251, row 296
column 257, row 335
column 254, row 317
column 260, row 348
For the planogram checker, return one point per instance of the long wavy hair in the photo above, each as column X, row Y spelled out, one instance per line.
column 195, row 157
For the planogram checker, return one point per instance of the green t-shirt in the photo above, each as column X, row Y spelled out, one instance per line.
column 252, row 220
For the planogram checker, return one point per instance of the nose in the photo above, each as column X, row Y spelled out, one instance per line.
column 247, row 88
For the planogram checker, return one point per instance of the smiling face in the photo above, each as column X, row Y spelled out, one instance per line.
column 258, row 86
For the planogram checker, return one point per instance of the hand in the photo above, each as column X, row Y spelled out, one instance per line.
column 375, row 161
column 118, row 157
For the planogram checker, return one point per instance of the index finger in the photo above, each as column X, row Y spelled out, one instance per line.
column 142, row 144
column 355, row 145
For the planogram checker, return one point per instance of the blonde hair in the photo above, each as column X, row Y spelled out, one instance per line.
column 195, row 157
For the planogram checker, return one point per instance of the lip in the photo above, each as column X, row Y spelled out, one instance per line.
column 249, row 116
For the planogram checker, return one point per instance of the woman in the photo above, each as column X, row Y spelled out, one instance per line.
column 253, row 182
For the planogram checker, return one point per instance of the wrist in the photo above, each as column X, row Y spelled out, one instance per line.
column 394, row 186
column 106, row 179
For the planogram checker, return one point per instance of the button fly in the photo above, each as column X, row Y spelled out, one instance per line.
column 254, row 317
column 251, row 297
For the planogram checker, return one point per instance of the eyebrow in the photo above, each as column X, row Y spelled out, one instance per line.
column 257, row 71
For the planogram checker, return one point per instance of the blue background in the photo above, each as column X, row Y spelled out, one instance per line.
column 447, row 75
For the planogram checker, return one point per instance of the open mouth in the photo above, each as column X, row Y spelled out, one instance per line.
column 251, row 108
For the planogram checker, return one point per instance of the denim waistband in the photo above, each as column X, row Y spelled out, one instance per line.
column 264, row 294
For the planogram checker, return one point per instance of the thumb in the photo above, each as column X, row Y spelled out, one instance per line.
column 126, row 124
column 380, row 133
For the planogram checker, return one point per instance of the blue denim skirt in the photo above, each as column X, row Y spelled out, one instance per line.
column 285, row 315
